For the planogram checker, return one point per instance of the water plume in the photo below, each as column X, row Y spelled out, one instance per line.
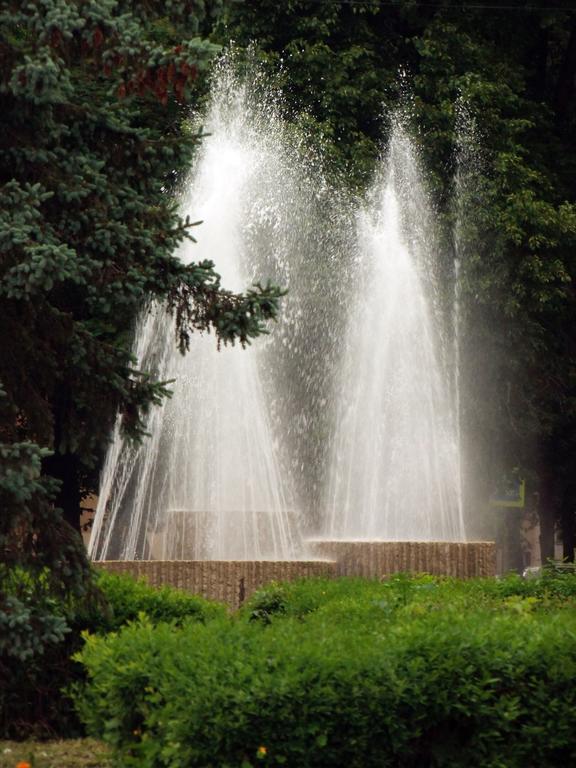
column 209, row 482
column 340, row 425
column 394, row 469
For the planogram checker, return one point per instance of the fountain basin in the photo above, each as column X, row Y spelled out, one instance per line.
column 373, row 559
column 228, row 581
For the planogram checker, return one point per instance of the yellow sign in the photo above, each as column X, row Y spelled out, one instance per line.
column 512, row 495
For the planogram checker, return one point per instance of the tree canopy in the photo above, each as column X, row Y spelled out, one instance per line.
column 492, row 97
column 94, row 140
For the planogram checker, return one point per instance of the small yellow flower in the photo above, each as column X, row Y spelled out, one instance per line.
column 262, row 751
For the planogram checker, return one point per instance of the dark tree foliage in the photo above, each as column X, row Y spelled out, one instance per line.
column 345, row 65
column 94, row 96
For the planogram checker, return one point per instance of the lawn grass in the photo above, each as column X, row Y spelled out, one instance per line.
column 69, row 753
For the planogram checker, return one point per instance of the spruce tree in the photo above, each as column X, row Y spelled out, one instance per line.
column 94, row 140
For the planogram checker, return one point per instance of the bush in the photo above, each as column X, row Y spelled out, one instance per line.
column 36, row 671
column 127, row 598
column 411, row 673
column 299, row 599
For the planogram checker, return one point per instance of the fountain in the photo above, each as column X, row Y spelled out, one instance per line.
column 206, row 496
column 214, row 499
column 394, row 496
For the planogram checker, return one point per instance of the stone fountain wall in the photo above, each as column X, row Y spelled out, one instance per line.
column 374, row 559
column 233, row 581
column 228, row 581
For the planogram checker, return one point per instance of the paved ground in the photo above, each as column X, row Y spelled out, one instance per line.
column 71, row 753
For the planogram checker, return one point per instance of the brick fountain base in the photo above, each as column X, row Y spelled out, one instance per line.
column 233, row 581
column 229, row 581
column 374, row 559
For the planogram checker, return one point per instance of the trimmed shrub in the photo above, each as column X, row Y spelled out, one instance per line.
column 299, row 599
column 355, row 674
column 33, row 697
column 127, row 598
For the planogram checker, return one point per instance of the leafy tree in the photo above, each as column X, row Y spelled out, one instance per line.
column 515, row 70
column 518, row 266
column 330, row 63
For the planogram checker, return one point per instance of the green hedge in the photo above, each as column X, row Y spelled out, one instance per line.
column 127, row 598
column 33, row 699
column 409, row 673
column 301, row 598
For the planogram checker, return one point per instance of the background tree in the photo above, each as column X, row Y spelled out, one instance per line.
column 343, row 67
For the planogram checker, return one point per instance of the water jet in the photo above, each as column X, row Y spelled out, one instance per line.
column 212, row 501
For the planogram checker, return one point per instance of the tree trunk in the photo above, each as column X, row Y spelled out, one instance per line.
column 569, row 524
column 547, row 515
column 538, row 62
column 514, row 560
column 64, row 467
column 566, row 79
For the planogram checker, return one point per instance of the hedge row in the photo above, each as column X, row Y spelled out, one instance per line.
column 347, row 674
column 299, row 599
